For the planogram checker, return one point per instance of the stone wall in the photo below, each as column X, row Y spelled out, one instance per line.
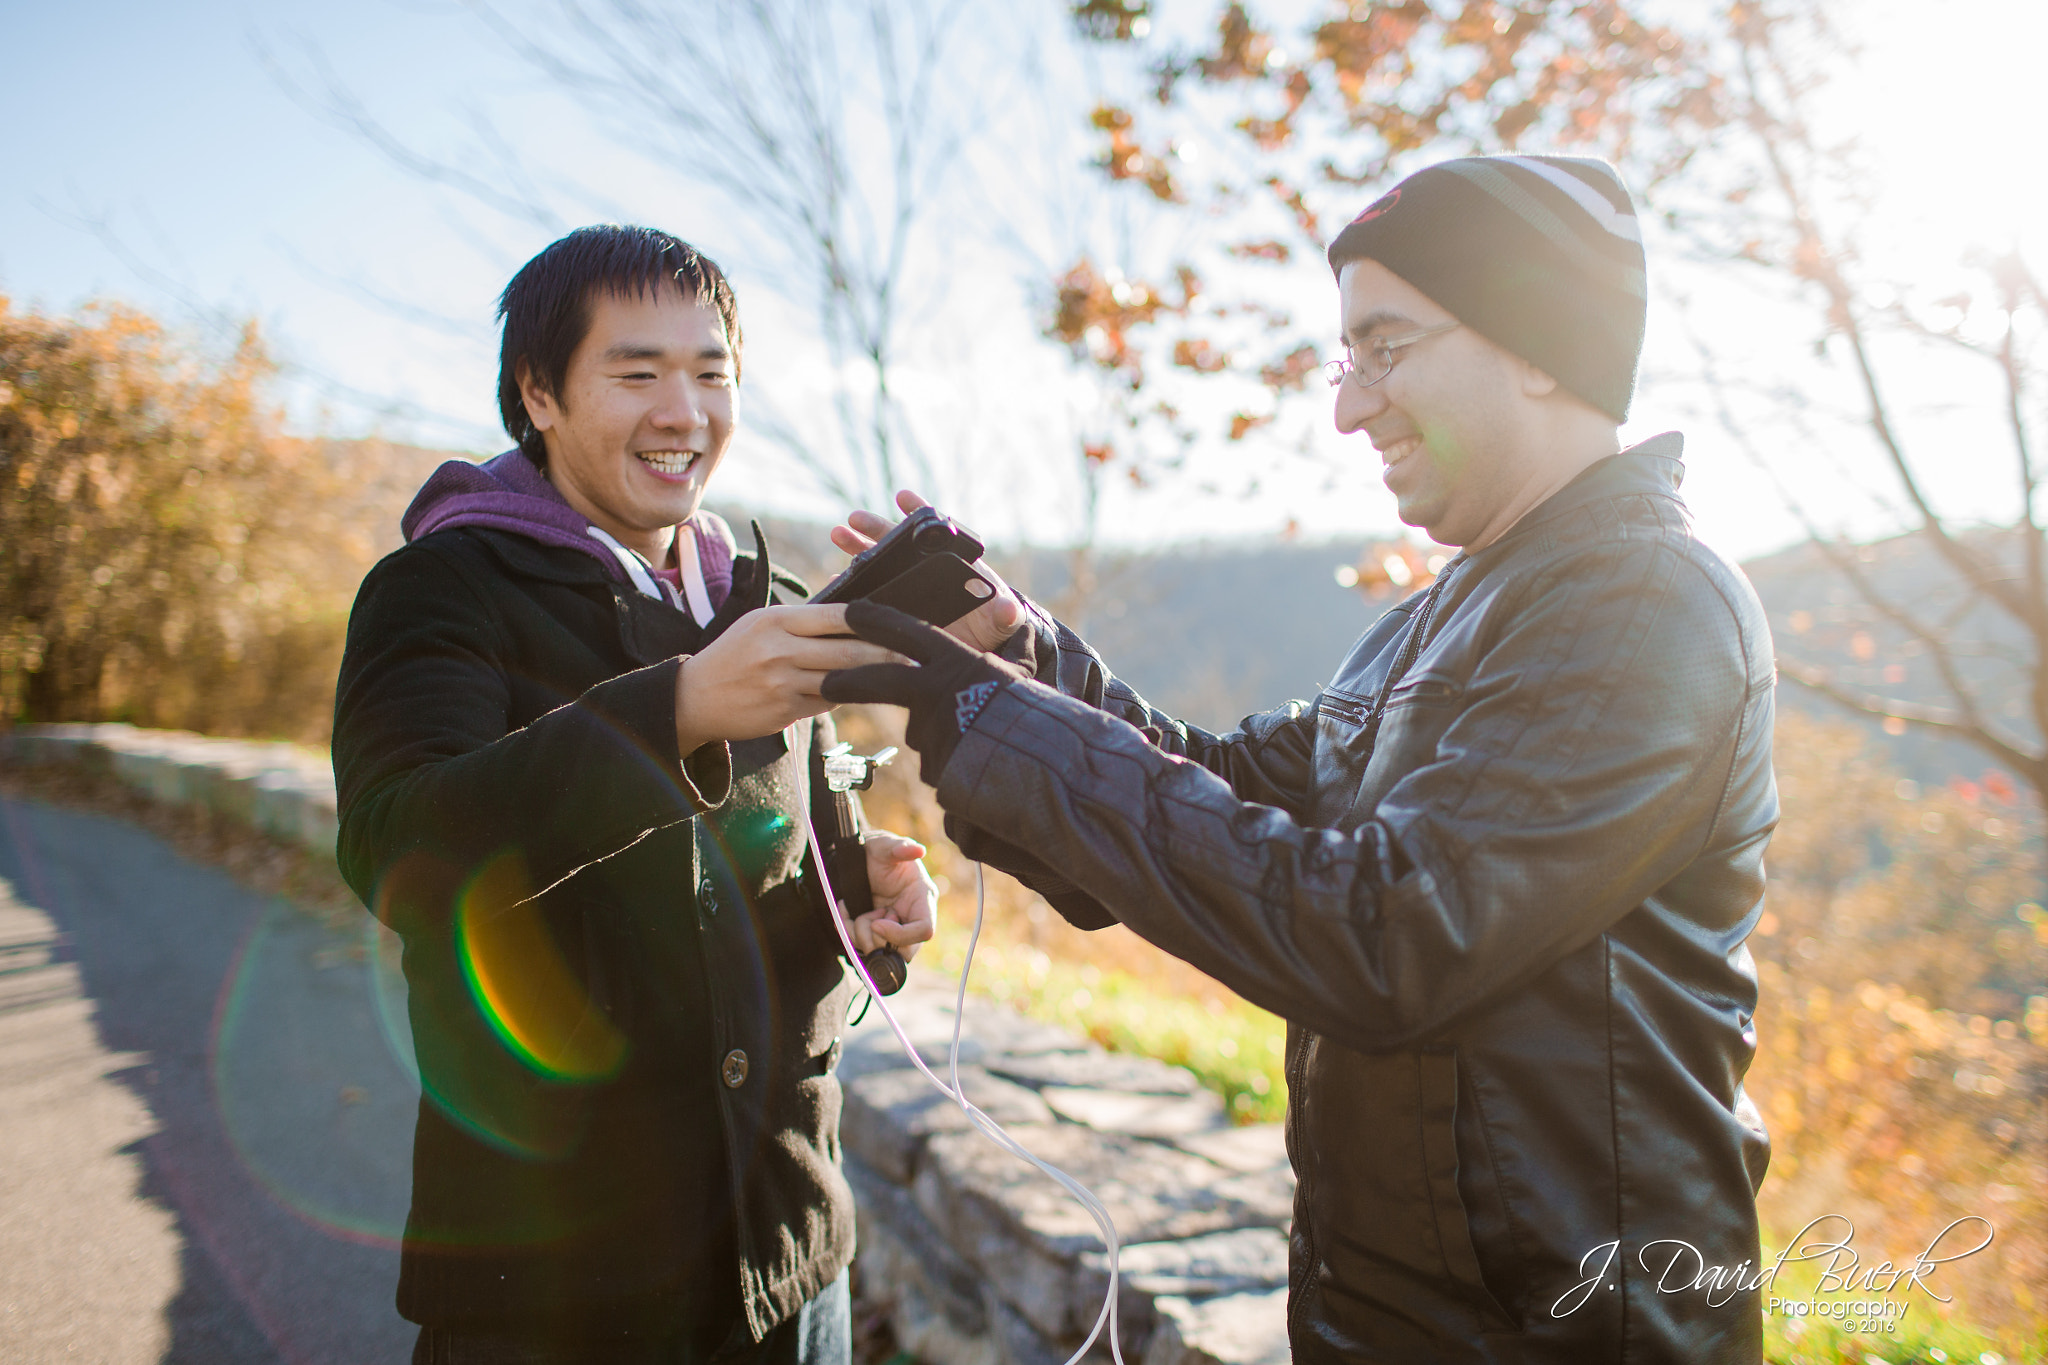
column 986, row 1261
column 978, row 1258
column 281, row 789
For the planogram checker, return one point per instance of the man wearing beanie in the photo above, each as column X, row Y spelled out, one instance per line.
column 1497, row 875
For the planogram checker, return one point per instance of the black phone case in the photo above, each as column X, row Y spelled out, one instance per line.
column 934, row 590
column 887, row 558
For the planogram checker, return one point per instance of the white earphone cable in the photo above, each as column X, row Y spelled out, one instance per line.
column 988, row 1127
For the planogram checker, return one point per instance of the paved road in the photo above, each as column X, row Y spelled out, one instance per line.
column 205, row 1125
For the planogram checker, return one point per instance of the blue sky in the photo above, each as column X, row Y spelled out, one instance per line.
column 172, row 169
column 164, row 164
column 169, row 168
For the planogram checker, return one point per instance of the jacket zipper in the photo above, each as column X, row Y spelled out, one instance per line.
column 1297, row 1088
column 1410, row 648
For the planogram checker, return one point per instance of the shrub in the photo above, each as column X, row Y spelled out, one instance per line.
column 167, row 555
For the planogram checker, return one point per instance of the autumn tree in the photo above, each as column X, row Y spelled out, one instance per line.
column 1723, row 124
column 1903, row 1029
column 167, row 556
column 1271, row 140
column 1790, row 201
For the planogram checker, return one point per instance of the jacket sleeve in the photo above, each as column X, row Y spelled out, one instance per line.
column 428, row 761
column 1587, row 764
column 1268, row 758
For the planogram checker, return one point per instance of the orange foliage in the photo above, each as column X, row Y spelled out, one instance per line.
column 1095, row 314
column 1339, row 103
column 167, row 555
column 1292, row 370
column 1243, row 424
column 1902, row 1032
column 1200, row 356
column 1354, row 47
column 1242, row 51
column 1124, row 159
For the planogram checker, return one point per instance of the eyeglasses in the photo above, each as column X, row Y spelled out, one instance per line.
column 1381, row 353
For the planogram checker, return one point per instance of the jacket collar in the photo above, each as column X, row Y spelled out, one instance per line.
column 753, row 583
column 1650, row 468
column 511, row 494
column 523, row 556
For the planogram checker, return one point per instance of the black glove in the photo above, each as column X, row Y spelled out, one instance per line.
column 944, row 693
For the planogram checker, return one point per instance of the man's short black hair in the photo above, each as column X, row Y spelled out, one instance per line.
column 546, row 308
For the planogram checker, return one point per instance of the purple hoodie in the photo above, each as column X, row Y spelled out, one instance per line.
column 509, row 493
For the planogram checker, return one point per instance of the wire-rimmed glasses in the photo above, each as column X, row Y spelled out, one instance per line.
column 1381, row 355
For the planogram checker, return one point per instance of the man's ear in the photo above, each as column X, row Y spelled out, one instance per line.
column 541, row 408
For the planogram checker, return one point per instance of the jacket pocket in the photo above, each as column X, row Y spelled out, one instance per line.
column 1438, row 1076
column 1410, row 729
column 1420, row 689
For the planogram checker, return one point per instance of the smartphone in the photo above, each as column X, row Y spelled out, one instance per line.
column 939, row 589
column 921, row 567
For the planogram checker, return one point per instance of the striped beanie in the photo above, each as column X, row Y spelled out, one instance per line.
column 1542, row 255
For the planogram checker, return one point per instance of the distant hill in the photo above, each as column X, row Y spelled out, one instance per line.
column 1210, row 633
column 1818, row 617
column 1207, row 633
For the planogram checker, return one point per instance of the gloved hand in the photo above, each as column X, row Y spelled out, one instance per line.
column 944, row 692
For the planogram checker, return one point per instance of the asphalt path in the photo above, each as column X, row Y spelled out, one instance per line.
column 205, row 1113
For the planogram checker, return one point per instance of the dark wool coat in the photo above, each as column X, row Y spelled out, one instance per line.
column 625, row 998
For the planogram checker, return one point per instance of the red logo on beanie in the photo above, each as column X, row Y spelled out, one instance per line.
column 1379, row 206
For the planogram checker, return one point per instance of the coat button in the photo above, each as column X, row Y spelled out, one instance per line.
column 734, row 1072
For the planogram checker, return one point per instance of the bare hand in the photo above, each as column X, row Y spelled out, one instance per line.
column 988, row 625
column 764, row 673
column 906, row 901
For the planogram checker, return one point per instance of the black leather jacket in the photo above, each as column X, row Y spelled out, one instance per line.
column 1502, row 904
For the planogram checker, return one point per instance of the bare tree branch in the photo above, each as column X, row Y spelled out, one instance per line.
column 1932, row 718
column 1774, row 82
column 222, row 327
column 771, row 120
column 1967, row 717
column 402, row 309
column 2027, row 525
column 1817, row 261
column 338, row 106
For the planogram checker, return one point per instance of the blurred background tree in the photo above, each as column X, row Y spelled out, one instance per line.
column 1903, row 1027
column 875, row 159
column 1729, row 122
column 1957, row 646
column 167, row 555
column 1248, row 150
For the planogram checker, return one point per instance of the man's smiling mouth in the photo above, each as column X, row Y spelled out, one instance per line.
column 1396, row 451
column 671, row 462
